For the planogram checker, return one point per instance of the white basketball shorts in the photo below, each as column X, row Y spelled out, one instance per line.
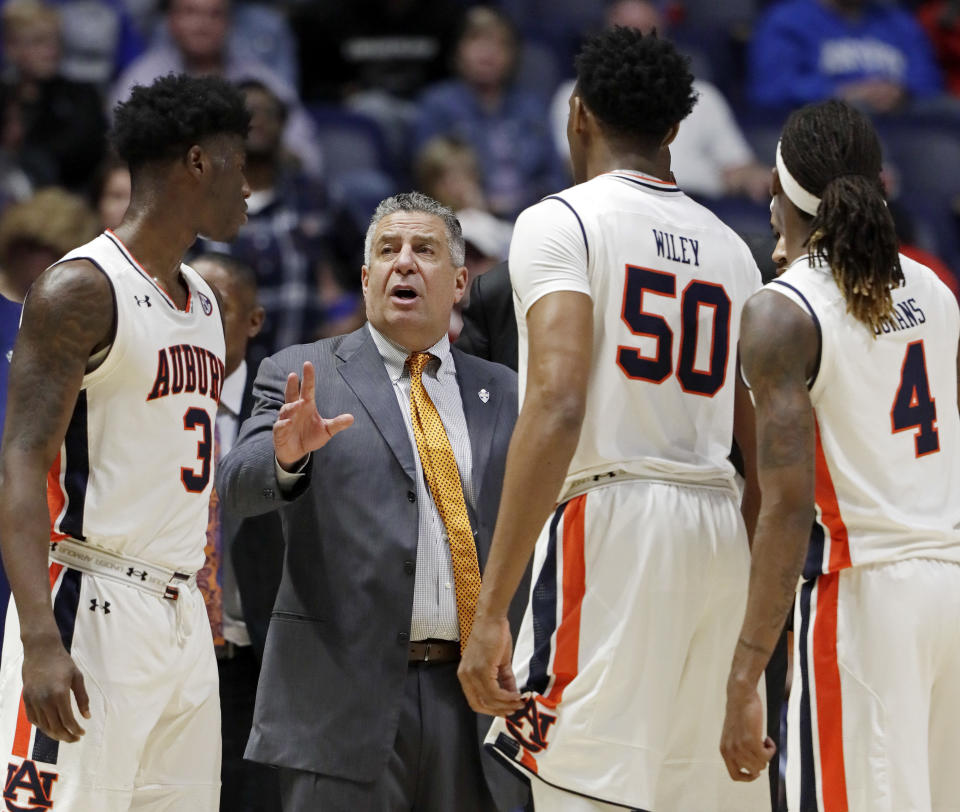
column 874, row 709
column 153, row 739
column 637, row 598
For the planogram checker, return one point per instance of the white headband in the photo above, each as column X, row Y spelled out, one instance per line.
column 799, row 196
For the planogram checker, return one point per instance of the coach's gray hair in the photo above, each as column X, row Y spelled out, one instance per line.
column 417, row 201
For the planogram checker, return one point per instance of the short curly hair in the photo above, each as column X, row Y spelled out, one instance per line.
column 637, row 85
column 161, row 121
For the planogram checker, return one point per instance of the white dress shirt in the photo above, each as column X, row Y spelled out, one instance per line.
column 434, row 597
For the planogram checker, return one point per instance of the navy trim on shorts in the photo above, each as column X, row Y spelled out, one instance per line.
column 65, row 607
column 543, row 605
column 816, row 323
column 808, row 775
column 582, row 229
column 505, row 743
column 76, row 469
column 813, row 566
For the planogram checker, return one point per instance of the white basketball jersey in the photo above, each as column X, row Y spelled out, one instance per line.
column 668, row 282
column 135, row 470
column 888, row 431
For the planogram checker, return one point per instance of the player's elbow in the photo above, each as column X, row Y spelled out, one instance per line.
column 561, row 408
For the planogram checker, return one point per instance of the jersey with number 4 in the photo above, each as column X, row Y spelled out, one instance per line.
column 887, row 426
column 668, row 281
column 134, row 473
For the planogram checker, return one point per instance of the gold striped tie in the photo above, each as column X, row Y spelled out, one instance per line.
column 443, row 479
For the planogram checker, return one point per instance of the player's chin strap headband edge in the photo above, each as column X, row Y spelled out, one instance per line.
column 800, row 197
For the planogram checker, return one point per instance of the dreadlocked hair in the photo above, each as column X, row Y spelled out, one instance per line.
column 832, row 151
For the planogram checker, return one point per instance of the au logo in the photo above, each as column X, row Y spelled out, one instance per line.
column 529, row 726
column 27, row 789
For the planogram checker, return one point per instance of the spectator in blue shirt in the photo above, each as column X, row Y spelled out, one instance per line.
column 508, row 127
column 872, row 54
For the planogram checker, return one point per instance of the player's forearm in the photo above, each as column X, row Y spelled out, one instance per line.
column 543, row 443
column 779, row 550
column 25, row 542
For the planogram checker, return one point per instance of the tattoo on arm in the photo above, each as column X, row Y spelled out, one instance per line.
column 67, row 315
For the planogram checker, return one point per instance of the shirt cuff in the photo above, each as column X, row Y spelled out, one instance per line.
column 287, row 480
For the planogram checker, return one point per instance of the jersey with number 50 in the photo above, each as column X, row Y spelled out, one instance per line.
column 668, row 281
column 134, row 472
column 887, row 425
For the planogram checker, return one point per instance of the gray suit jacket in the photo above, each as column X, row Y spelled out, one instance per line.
column 336, row 652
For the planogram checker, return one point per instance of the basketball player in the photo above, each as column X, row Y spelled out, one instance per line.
column 628, row 297
column 852, row 355
column 106, row 477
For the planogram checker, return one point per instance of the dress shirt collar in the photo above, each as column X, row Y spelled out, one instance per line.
column 395, row 357
column 231, row 394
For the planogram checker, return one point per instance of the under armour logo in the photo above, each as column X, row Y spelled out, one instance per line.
column 484, row 395
column 144, row 301
column 132, row 573
column 94, row 606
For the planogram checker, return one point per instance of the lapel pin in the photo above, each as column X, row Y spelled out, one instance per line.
column 484, row 395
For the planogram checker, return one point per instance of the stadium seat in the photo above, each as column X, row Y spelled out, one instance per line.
column 350, row 141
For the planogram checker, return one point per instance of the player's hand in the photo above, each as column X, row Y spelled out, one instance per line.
column 49, row 675
column 299, row 428
column 743, row 745
column 485, row 672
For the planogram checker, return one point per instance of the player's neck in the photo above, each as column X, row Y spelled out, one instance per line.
column 158, row 242
column 605, row 159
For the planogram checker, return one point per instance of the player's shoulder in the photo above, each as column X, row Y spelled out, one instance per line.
column 701, row 217
column 914, row 270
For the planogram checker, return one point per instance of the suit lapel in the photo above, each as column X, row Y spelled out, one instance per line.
column 363, row 371
column 481, row 416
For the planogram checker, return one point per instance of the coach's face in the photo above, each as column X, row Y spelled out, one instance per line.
column 411, row 283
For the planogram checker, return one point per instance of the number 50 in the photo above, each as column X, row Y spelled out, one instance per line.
column 657, row 368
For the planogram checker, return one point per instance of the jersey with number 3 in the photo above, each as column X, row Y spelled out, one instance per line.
column 135, row 469
column 887, row 426
column 668, row 281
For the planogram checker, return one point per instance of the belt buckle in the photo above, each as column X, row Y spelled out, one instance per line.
column 426, row 652
column 171, row 592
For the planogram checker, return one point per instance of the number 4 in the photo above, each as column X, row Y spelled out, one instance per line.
column 913, row 408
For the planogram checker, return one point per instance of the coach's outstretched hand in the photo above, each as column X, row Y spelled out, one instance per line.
column 299, row 428
column 49, row 675
column 485, row 672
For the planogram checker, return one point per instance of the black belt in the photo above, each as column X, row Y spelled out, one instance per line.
column 434, row 651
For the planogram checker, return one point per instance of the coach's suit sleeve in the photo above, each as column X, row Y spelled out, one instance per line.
column 246, row 479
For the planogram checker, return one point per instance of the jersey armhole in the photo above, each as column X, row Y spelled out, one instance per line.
column 798, row 298
column 583, row 231
column 109, row 355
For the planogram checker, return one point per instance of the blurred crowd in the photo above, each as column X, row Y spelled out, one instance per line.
column 354, row 101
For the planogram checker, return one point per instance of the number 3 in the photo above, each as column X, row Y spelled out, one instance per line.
column 913, row 408
column 658, row 368
column 197, row 418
